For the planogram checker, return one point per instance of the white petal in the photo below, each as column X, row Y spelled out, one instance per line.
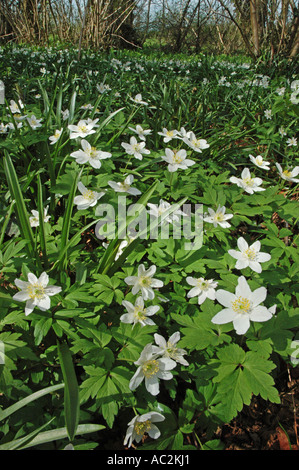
column 32, row 278
column 21, row 284
column 30, row 305
column 224, row 316
column 242, row 263
column 243, row 288
column 242, row 244
column 255, row 266
column 152, row 385
column 258, row 295
column 192, row 281
column 260, row 314
column 44, row 303
column 136, row 379
column 201, row 298
column 241, row 324
column 154, row 432
column 160, row 341
column 130, row 280
column 21, row 296
column 193, row 292
column 43, row 279
column 263, row 257
column 225, row 298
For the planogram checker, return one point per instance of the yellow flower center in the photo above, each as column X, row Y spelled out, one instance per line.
column 36, row 291
column 287, row 173
column 93, row 152
column 195, row 143
column 176, row 158
column 219, row 216
column 145, row 281
column 203, row 285
column 88, row 194
column 171, row 350
column 241, row 305
column 136, row 147
column 141, row 427
column 248, row 181
column 139, row 314
column 150, row 368
column 83, row 129
column 250, row 253
column 125, row 186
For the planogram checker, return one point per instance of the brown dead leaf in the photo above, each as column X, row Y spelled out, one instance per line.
column 284, row 441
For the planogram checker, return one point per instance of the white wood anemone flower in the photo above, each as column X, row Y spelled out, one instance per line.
column 142, row 424
column 135, row 148
column 16, row 107
column 260, row 162
column 142, row 133
column 246, row 182
column 33, row 122
column 169, row 348
column 88, row 197
column 138, row 99
column 249, row 256
column 151, row 368
column 156, row 211
column 36, row 292
column 138, row 313
column 144, row 282
column 288, row 175
column 56, row 136
column 84, row 128
column 198, row 145
column 202, row 288
column 218, row 217
column 125, row 186
column 242, row 307
column 89, row 154
column 168, row 135
column 34, row 219
column 177, row 159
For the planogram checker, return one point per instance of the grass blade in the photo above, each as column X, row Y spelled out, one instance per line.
column 42, row 236
column 21, row 211
column 71, row 391
column 34, row 396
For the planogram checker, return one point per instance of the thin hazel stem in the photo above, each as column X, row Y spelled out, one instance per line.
column 199, row 441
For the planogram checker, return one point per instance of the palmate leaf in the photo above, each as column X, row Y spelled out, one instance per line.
column 109, row 388
column 240, row 375
column 198, row 331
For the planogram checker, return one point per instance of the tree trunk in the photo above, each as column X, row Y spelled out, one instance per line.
column 255, row 26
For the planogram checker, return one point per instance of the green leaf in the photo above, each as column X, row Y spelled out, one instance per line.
column 34, row 396
column 71, row 391
column 240, row 375
column 60, row 433
column 21, row 211
column 67, row 222
column 24, row 441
